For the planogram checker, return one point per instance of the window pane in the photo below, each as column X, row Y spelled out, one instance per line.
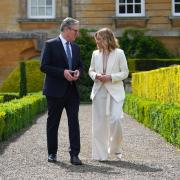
column 41, row 11
column 121, row 9
column 49, row 11
column 121, row 1
column 48, row 2
column 42, row 2
column 137, row 1
column 177, row 0
column 138, row 8
column 177, row 8
column 33, row 2
column 129, row 1
column 34, row 11
column 129, row 8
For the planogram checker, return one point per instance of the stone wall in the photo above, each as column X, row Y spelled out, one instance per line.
column 9, row 12
column 95, row 13
column 158, row 12
column 15, row 47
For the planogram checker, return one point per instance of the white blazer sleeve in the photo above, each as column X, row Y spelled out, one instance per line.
column 92, row 72
column 122, row 62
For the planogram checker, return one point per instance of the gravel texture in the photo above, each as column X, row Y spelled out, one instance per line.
column 146, row 155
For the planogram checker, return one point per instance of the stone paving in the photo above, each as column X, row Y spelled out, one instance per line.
column 146, row 155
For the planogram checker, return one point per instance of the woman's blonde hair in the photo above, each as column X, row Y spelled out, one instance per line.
column 108, row 39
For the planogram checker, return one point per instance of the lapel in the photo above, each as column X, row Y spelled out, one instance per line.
column 62, row 50
column 111, row 61
column 73, row 55
column 100, row 62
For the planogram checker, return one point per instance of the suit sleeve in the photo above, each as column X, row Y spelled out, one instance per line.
column 46, row 63
column 123, row 68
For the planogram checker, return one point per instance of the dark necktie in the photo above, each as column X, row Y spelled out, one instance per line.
column 69, row 55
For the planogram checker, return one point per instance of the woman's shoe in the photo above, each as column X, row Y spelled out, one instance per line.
column 118, row 155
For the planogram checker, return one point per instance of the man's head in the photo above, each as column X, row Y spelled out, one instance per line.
column 69, row 28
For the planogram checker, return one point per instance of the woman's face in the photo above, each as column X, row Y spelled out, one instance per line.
column 99, row 41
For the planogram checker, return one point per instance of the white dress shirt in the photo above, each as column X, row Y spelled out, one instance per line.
column 64, row 44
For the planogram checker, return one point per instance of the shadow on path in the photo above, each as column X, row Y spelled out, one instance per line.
column 129, row 165
column 87, row 168
column 104, row 169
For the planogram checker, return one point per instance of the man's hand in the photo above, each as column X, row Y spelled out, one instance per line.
column 71, row 75
column 76, row 74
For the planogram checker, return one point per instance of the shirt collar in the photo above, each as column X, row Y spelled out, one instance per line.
column 62, row 39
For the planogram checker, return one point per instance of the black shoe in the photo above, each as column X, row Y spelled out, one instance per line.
column 52, row 158
column 75, row 160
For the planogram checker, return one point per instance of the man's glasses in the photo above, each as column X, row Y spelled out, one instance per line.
column 75, row 30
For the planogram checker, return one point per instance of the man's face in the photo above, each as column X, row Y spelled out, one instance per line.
column 73, row 32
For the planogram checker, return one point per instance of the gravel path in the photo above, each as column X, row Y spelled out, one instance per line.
column 146, row 155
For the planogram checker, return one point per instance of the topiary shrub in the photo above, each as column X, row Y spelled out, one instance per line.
column 22, row 83
column 129, row 41
column 33, row 74
column 137, row 45
column 149, row 47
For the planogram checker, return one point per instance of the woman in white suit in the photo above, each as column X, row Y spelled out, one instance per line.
column 108, row 68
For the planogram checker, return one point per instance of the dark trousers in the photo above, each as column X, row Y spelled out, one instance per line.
column 70, row 102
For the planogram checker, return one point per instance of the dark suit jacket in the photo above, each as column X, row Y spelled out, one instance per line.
column 53, row 64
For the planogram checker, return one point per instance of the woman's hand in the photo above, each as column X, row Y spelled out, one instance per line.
column 103, row 78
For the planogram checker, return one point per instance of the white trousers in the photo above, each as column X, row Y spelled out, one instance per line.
column 106, row 126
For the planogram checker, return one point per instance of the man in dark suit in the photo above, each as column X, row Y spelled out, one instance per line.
column 60, row 61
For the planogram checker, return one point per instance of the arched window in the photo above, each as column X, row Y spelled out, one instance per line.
column 130, row 8
column 41, row 9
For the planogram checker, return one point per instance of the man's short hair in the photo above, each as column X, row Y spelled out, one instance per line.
column 68, row 22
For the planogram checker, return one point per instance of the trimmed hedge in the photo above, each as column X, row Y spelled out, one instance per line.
column 163, row 118
column 4, row 97
column 160, row 85
column 1, row 99
column 22, row 81
column 33, row 75
column 2, row 123
column 16, row 114
column 136, row 65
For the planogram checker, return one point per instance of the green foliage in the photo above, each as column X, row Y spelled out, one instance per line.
column 2, row 123
column 150, row 64
column 23, row 85
column 149, row 47
column 1, row 99
column 129, row 41
column 33, row 75
column 4, row 97
column 85, row 94
column 17, row 114
column 137, row 45
column 87, row 45
column 163, row 118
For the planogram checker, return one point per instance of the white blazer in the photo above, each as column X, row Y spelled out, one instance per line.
column 116, row 67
